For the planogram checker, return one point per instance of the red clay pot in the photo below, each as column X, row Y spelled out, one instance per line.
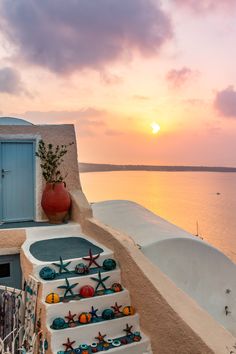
column 55, row 202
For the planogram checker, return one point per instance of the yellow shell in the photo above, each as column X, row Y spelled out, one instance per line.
column 128, row 311
column 52, row 298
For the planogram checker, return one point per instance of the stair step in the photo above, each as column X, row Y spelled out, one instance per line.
column 100, row 302
column 52, row 286
column 142, row 347
column 72, row 265
column 87, row 333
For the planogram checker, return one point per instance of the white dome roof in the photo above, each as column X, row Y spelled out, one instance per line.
column 13, row 121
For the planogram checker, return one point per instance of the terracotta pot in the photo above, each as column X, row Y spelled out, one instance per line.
column 55, row 202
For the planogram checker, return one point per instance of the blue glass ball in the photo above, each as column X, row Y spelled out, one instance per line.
column 108, row 314
column 58, row 323
column 47, row 273
column 109, row 264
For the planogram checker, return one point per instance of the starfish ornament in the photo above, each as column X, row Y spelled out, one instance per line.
column 92, row 259
column 70, row 317
column 69, row 345
column 62, row 266
column 101, row 337
column 68, row 288
column 93, row 313
column 100, row 281
column 128, row 330
column 116, row 309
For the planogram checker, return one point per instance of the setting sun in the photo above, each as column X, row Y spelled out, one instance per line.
column 155, row 128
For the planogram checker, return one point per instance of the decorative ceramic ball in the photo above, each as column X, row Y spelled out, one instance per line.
column 85, row 317
column 128, row 311
column 87, row 291
column 116, row 287
column 81, row 268
column 47, row 273
column 108, row 314
column 109, row 264
column 58, row 323
column 52, row 298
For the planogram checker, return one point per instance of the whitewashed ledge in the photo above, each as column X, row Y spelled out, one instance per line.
column 196, row 267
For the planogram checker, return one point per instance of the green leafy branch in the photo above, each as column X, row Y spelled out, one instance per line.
column 51, row 159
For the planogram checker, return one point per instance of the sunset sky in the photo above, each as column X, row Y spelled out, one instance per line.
column 115, row 67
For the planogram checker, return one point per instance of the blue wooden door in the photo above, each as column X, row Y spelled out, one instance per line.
column 17, row 181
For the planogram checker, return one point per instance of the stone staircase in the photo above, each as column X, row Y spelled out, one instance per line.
column 88, row 311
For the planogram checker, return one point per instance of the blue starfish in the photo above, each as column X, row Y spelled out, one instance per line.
column 68, row 288
column 62, row 266
column 100, row 281
column 93, row 313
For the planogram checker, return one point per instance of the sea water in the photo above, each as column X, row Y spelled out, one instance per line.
column 183, row 198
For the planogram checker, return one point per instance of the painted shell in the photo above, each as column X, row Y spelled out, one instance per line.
column 128, row 311
column 109, row 264
column 47, row 273
column 85, row 317
column 58, row 323
column 52, row 298
column 81, row 268
column 116, row 287
column 87, row 291
column 108, row 314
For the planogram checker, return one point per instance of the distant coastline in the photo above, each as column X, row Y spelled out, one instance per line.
column 93, row 167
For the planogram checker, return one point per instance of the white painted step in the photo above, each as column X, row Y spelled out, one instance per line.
column 87, row 333
column 71, row 267
column 52, row 286
column 98, row 302
column 142, row 347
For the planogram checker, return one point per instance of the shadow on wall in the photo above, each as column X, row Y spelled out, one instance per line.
column 203, row 272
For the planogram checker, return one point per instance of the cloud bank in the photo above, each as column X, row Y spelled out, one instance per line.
column 64, row 36
column 225, row 102
column 10, row 81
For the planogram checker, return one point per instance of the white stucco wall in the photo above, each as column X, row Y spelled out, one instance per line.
column 196, row 267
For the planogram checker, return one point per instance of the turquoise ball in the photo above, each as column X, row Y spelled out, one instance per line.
column 108, row 314
column 47, row 273
column 58, row 323
column 109, row 264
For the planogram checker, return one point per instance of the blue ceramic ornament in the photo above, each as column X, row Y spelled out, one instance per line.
column 108, row 314
column 47, row 273
column 58, row 323
column 109, row 264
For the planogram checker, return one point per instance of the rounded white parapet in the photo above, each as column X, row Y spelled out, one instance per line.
column 196, row 267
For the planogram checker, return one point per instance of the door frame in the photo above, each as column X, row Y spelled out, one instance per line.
column 12, row 140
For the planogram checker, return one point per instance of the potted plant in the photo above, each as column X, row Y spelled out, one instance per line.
column 55, row 199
